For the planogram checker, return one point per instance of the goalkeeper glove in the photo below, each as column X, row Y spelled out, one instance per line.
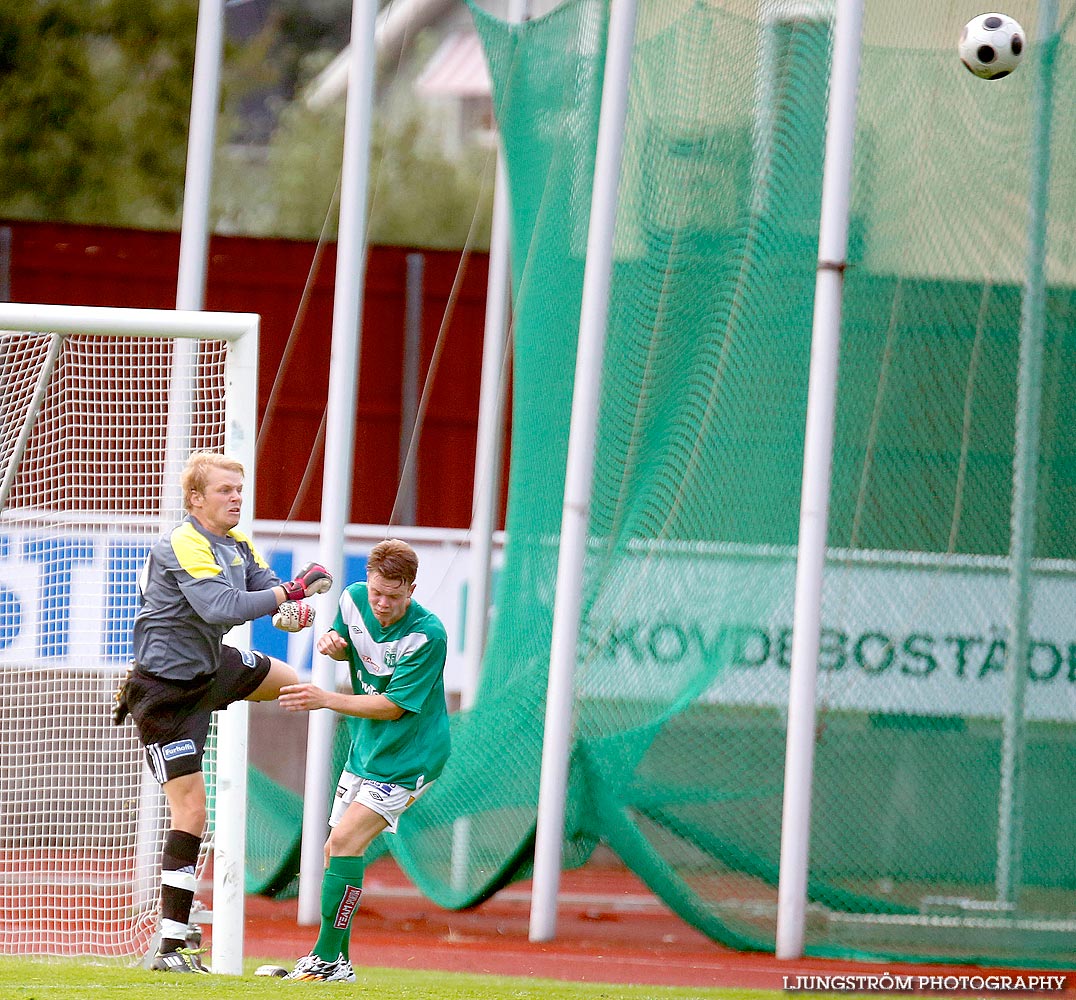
column 313, row 579
column 292, row 616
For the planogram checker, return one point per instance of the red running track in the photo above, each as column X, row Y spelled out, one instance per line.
column 610, row 929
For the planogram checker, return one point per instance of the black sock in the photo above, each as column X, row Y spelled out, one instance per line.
column 178, row 862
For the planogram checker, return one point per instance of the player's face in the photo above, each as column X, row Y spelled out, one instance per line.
column 217, row 508
column 389, row 599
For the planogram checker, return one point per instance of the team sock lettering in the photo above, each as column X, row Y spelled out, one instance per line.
column 341, row 888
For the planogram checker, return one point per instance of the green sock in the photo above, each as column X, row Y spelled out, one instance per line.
column 341, row 888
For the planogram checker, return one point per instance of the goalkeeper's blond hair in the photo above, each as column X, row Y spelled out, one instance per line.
column 195, row 473
column 394, row 560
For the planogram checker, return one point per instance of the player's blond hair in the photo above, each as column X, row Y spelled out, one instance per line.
column 394, row 560
column 195, row 473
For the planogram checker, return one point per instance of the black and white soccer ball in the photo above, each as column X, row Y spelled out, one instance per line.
column 991, row 45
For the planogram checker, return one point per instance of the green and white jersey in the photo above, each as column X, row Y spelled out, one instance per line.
column 406, row 663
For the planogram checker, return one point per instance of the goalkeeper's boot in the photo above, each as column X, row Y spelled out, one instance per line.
column 180, row 960
column 311, row 969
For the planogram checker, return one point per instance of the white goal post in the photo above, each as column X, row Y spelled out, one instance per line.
column 99, row 408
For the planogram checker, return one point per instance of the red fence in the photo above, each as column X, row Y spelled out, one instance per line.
column 99, row 266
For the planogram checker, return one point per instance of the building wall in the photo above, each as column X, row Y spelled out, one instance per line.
column 94, row 265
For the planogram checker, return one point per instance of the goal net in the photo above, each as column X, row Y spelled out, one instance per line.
column 98, row 410
column 941, row 825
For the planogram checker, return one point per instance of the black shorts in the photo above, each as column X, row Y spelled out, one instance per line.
column 173, row 717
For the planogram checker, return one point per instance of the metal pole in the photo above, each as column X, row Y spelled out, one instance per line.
column 491, row 403
column 560, row 697
column 230, row 814
column 817, row 465
column 412, row 346
column 1025, row 471
column 340, row 432
column 487, row 463
column 5, row 263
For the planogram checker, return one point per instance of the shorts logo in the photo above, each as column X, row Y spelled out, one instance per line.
column 348, row 905
column 250, row 661
column 379, row 791
column 181, row 748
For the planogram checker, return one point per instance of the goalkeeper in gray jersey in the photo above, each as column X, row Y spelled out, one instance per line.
column 198, row 581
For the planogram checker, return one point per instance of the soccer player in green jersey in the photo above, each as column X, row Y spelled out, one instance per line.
column 398, row 722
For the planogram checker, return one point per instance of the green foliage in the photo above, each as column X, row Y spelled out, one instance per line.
column 94, row 109
column 41, row 979
column 94, row 118
column 417, row 195
column 421, row 198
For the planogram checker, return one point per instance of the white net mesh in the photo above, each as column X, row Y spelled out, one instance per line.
column 88, row 482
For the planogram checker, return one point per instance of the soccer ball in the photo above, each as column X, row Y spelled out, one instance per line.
column 991, row 45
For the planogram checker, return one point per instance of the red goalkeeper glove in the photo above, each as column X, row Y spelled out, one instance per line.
column 313, row 579
column 292, row 616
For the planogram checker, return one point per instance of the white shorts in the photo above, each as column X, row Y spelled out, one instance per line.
column 387, row 800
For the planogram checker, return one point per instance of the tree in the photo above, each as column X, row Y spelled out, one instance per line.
column 94, row 119
column 94, row 109
column 417, row 195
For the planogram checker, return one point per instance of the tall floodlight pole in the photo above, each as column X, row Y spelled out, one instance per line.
column 1008, row 875
column 230, row 813
column 594, row 310
column 487, row 463
column 339, row 431
column 817, row 467
column 491, row 399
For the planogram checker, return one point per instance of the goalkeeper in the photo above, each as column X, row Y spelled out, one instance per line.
column 398, row 725
column 199, row 581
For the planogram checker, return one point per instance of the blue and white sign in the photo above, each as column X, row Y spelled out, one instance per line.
column 69, row 596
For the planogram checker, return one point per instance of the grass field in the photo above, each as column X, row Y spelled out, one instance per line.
column 51, row 979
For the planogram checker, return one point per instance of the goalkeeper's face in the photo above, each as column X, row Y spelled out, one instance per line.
column 217, row 507
column 389, row 599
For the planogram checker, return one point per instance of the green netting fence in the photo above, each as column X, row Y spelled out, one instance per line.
column 684, row 652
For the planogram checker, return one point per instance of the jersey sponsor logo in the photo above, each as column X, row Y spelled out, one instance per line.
column 347, row 907
column 180, row 748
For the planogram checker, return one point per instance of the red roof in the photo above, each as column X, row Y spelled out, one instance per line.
column 456, row 69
